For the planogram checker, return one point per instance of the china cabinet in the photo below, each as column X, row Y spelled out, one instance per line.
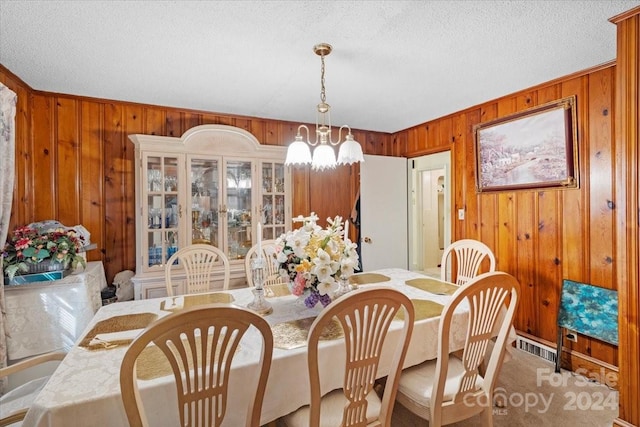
column 212, row 185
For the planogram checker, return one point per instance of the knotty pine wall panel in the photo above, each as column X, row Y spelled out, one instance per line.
column 339, row 202
column 92, row 206
column 540, row 236
column 41, row 202
column 600, row 166
column 67, row 164
column 526, row 236
column 155, row 122
column 118, row 244
column 190, row 120
column 173, row 123
column 548, row 252
column 397, row 147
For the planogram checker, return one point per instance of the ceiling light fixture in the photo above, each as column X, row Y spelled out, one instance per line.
column 324, row 156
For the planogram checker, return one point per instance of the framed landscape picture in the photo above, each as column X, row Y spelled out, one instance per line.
column 535, row 148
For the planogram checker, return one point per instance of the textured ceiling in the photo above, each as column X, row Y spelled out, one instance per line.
column 395, row 64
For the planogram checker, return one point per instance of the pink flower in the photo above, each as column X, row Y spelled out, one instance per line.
column 299, row 285
column 23, row 243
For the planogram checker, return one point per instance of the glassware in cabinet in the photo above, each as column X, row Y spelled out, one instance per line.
column 272, row 208
column 239, row 203
column 160, row 208
column 205, row 200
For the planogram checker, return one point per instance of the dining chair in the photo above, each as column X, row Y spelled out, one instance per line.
column 16, row 402
column 469, row 255
column 272, row 276
column 365, row 316
column 199, row 262
column 450, row 389
column 200, row 344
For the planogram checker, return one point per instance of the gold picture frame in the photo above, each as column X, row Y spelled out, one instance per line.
column 532, row 149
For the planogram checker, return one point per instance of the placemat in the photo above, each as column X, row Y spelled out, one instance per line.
column 199, row 299
column 116, row 324
column 152, row 363
column 293, row 334
column 368, row 278
column 424, row 309
column 277, row 290
column 434, row 286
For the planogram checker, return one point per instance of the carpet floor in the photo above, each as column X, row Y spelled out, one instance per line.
column 535, row 395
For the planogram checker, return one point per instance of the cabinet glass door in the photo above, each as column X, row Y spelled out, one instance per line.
column 205, row 201
column 161, row 208
column 238, row 205
column 273, row 200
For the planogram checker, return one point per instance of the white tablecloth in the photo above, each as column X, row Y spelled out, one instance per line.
column 85, row 390
column 48, row 316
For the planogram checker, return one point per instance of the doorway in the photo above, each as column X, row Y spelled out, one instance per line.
column 429, row 196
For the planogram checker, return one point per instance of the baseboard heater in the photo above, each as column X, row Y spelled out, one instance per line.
column 537, row 349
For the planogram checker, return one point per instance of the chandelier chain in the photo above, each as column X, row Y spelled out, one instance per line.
column 323, row 96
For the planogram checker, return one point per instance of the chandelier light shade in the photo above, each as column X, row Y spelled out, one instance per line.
column 324, row 157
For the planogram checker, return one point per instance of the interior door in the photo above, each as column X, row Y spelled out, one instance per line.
column 383, row 212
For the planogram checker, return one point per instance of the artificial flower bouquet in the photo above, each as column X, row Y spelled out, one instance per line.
column 27, row 245
column 312, row 259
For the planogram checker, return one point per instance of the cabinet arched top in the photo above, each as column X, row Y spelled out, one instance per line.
column 210, row 139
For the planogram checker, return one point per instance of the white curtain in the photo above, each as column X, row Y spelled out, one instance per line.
column 7, row 174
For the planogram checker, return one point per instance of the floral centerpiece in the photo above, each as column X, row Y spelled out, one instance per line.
column 313, row 259
column 28, row 247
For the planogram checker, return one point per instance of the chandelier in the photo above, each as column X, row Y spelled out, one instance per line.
column 324, row 156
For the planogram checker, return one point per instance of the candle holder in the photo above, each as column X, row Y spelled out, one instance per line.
column 259, row 304
column 343, row 287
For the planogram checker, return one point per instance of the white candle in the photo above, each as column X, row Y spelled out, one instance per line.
column 259, row 241
column 346, row 231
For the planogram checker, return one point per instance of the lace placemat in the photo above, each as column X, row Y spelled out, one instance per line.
column 195, row 300
column 152, row 363
column 368, row 278
column 125, row 322
column 424, row 309
column 433, row 286
column 293, row 334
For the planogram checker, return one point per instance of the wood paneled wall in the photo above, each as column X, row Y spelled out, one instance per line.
column 74, row 163
column 540, row 236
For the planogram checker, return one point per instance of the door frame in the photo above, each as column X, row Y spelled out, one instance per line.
column 417, row 165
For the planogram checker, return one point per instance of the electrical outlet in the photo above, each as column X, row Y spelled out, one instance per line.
column 460, row 213
column 571, row 335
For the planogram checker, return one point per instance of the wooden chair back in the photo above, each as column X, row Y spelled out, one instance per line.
column 365, row 316
column 199, row 262
column 468, row 393
column 15, row 403
column 469, row 255
column 200, row 344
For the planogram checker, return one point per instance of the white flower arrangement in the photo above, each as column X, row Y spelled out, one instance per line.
column 313, row 259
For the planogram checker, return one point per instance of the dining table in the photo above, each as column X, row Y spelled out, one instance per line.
column 85, row 390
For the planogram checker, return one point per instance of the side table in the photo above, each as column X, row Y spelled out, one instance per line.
column 48, row 316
